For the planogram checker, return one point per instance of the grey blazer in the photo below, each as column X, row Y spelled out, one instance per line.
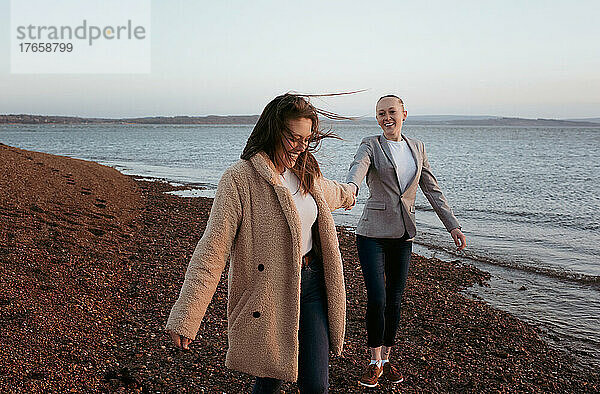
column 389, row 211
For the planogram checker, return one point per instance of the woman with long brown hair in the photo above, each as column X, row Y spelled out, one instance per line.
column 272, row 217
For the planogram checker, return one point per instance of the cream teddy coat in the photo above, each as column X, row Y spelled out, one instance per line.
column 254, row 222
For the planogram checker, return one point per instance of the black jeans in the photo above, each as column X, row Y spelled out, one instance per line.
column 313, row 337
column 384, row 263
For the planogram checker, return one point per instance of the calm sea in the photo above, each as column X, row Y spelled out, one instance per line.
column 528, row 200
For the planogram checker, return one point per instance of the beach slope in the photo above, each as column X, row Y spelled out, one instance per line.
column 92, row 260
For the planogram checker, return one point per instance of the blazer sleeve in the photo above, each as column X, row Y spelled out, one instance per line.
column 361, row 163
column 208, row 260
column 434, row 195
column 337, row 195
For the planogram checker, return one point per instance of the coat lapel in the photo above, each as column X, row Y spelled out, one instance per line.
column 319, row 200
column 263, row 165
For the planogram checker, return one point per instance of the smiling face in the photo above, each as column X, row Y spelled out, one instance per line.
column 390, row 116
column 300, row 134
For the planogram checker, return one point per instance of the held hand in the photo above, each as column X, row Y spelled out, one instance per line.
column 354, row 191
column 179, row 340
column 459, row 239
column 354, row 188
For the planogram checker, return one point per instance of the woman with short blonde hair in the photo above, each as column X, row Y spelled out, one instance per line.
column 395, row 166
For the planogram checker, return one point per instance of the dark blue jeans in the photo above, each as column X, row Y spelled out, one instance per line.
column 313, row 337
column 384, row 263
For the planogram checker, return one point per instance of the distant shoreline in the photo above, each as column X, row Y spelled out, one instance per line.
column 252, row 119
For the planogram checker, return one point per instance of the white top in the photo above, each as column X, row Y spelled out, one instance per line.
column 406, row 167
column 305, row 205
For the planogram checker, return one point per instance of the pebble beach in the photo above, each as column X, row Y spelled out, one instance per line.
column 91, row 261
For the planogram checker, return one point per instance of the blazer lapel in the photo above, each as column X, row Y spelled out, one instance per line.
column 414, row 152
column 388, row 153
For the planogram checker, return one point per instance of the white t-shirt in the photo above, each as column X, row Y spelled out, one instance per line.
column 306, row 206
column 405, row 163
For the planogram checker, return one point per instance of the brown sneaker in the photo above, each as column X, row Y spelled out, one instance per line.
column 391, row 373
column 370, row 376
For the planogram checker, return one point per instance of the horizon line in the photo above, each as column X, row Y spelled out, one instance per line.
column 251, row 115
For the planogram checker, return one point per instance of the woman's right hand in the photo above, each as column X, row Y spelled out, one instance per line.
column 179, row 340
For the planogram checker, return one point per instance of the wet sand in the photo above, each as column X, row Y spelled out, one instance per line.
column 91, row 261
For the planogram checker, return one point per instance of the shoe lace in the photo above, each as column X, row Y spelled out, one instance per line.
column 391, row 368
column 372, row 368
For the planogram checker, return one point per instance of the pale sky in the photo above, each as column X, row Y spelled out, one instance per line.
column 507, row 58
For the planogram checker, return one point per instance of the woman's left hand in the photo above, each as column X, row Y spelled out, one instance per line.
column 354, row 192
column 459, row 239
column 354, row 188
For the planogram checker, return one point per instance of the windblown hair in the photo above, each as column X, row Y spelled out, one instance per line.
column 272, row 130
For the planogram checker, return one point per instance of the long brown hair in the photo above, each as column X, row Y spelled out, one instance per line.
column 272, row 129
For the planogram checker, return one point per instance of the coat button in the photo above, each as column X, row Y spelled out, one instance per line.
column 261, row 267
column 256, row 314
